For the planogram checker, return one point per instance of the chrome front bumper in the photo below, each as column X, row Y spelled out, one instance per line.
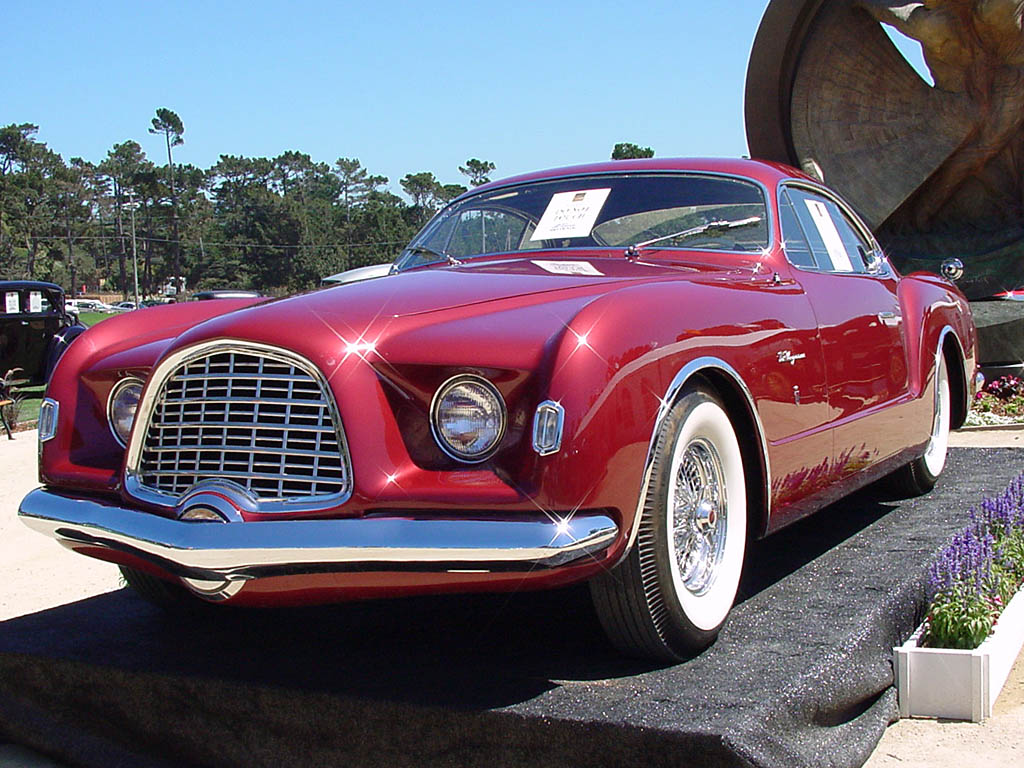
column 215, row 559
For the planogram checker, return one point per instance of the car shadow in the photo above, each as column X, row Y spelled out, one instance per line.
column 775, row 557
column 467, row 651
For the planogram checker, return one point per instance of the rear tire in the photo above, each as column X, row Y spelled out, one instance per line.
column 919, row 476
column 669, row 598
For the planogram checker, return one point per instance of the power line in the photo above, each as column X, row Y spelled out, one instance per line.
column 195, row 243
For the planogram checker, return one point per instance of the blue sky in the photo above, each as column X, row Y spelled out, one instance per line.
column 402, row 86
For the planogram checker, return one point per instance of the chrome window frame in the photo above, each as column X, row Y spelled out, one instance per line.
column 885, row 271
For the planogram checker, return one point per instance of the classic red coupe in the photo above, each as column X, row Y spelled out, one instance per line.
column 618, row 373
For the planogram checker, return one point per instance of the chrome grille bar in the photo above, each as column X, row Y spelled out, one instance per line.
column 260, row 417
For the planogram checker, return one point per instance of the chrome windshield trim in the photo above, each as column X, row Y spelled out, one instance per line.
column 684, row 375
column 233, row 551
column 770, row 215
column 132, row 480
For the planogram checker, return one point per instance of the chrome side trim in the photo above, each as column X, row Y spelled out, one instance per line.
column 211, row 554
column 133, row 480
column 684, row 375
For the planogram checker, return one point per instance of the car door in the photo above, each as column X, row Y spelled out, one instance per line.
column 854, row 294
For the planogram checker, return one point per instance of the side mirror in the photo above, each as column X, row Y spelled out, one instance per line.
column 952, row 269
column 874, row 260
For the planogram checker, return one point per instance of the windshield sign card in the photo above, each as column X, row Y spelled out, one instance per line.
column 35, row 301
column 11, row 302
column 570, row 268
column 570, row 214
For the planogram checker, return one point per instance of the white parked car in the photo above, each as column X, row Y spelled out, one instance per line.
column 358, row 274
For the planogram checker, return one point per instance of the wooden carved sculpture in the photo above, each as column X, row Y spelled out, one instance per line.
column 938, row 171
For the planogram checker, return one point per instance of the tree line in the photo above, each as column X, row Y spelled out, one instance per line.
column 273, row 224
column 277, row 225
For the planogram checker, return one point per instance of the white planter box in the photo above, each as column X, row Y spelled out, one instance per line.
column 959, row 685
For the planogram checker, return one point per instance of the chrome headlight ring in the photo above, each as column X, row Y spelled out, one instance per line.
column 468, row 418
column 122, row 406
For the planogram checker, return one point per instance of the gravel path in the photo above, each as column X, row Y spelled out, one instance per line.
column 38, row 572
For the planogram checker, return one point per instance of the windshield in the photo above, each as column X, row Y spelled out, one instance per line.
column 605, row 211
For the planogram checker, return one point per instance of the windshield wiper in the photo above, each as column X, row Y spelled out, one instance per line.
column 634, row 249
column 441, row 255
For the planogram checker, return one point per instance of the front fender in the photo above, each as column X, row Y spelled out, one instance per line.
column 616, row 373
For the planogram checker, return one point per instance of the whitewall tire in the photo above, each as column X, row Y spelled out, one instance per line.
column 671, row 595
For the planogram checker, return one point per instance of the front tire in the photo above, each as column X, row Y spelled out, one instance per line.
column 671, row 595
column 171, row 598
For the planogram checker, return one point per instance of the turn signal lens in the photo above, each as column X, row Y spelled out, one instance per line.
column 547, row 428
column 48, row 419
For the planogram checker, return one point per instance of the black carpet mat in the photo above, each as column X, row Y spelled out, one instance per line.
column 801, row 676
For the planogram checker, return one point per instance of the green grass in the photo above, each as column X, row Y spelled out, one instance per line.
column 27, row 407
column 30, row 398
column 90, row 319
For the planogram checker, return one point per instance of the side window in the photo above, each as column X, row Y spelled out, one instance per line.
column 834, row 242
column 856, row 246
column 793, row 241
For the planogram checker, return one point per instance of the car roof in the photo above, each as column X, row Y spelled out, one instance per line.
column 20, row 285
column 766, row 172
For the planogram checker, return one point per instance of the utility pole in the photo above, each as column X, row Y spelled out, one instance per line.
column 131, row 205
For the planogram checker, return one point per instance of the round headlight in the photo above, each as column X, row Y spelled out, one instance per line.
column 468, row 418
column 121, row 407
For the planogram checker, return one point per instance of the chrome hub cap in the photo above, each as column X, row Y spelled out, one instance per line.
column 698, row 516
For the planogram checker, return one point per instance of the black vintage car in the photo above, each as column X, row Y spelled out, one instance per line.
column 35, row 328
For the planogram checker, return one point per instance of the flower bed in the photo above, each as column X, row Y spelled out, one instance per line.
column 959, row 658
column 1000, row 402
column 978, row 573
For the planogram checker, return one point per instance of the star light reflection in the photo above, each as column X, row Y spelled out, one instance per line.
column 359, row 344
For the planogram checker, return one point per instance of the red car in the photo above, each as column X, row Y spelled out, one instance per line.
column 618, row 373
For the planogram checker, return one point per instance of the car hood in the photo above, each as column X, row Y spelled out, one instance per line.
column 415, row 314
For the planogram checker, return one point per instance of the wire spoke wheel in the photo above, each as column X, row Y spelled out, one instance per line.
column 699, row 516
column 672, row 593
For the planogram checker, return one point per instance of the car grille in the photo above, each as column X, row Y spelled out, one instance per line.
column 262, row 422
